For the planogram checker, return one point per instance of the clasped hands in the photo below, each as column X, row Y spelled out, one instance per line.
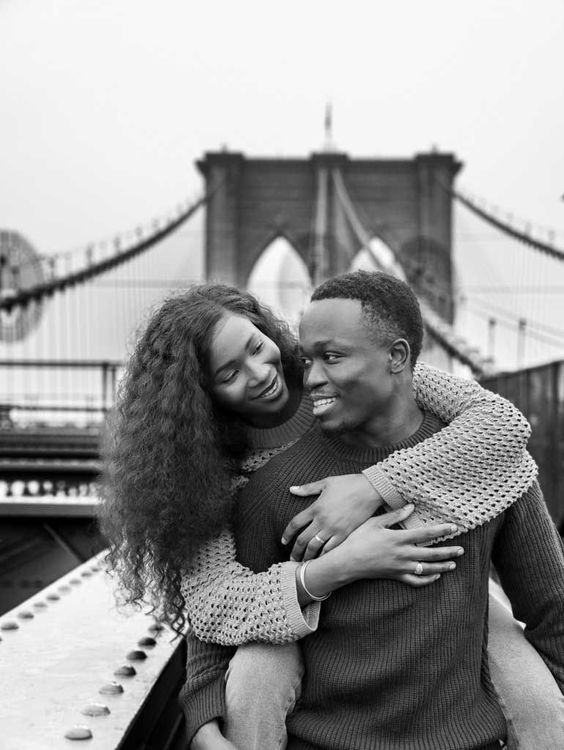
column 342, row 518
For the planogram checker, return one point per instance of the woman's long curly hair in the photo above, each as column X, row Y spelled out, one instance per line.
column 170, row 453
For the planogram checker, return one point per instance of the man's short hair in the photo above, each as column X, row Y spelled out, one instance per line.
column 389, row 306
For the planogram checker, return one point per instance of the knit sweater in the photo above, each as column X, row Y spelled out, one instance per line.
column 467, row 473
column 393, row 667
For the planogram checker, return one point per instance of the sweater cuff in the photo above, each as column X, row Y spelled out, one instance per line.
column 301, row 621
column 384, row 487
column 207, row 704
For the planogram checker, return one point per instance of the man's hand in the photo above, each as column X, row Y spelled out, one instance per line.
column 344, row 503
column 208, row 737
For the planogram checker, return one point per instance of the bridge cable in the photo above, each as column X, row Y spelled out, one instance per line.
column 439, row 330
column 516, row 234
column 36, row 293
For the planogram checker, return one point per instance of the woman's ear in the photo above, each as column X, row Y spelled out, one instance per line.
column 400, row 355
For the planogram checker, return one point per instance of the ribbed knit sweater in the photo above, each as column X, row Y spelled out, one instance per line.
column 392, row 667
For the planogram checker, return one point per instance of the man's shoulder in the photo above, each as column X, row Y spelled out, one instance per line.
column 286, row 460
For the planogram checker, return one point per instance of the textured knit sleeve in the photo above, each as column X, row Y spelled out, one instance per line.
column 228, row 604
column 528, row 555
column 470, row 471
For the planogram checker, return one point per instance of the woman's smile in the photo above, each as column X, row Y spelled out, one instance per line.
column 271, row 392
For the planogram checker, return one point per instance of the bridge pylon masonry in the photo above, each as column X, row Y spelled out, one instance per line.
column 401, row 201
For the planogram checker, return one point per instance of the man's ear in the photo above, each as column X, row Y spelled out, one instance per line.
column 400, row 355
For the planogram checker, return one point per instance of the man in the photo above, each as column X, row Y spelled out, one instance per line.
column 391, row 666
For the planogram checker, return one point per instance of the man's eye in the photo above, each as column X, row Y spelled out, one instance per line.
column 331, row 357
column 306, row 362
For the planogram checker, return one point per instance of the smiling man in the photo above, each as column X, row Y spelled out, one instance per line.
column 393, row 667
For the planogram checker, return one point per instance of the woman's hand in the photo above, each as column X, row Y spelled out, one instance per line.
column 344, row 503
column 208, row 737
column 376, row 551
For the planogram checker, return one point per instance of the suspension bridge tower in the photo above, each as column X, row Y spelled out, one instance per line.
column 328, row 207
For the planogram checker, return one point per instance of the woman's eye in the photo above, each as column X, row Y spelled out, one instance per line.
column 258, row 347
column 229, row 376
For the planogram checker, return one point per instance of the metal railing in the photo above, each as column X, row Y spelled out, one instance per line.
column 539, row 393
column 60, row 391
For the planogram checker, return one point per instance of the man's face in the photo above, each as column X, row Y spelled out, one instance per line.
column 347, row 371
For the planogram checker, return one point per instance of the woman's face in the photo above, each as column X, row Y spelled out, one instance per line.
column 246, row 370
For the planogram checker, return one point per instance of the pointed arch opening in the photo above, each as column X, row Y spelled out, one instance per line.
column 281, row 280
column 380, row 257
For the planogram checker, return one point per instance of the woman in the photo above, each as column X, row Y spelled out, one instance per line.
column 177, row 440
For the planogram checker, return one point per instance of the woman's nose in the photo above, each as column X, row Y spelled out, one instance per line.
column 258, row 371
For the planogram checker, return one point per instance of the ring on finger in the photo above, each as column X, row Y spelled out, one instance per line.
column 418, row 569
column 319, row 539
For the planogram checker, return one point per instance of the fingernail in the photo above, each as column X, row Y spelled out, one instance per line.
column 460, row 551
column 409, row 506
column 295, row 487
column 293, row 559
column 451, row 566
column 285, row 541
column 453, row 529
column 436, row 578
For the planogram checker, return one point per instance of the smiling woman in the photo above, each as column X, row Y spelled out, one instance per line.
column 246, row 372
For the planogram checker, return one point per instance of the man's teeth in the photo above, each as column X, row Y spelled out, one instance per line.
column 321, row 403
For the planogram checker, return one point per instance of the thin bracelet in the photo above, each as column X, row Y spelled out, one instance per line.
column 303, row 568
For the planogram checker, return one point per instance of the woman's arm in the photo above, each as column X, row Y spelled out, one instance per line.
column 228, row 604
column 470, row 471
column 467, row 473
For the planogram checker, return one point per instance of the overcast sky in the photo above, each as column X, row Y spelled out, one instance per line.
column 106, row 104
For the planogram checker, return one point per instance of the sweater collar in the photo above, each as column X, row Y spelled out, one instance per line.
column 429, row 426
column 292, row 429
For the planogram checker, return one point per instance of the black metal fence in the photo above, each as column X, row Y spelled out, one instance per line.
column 78, row 392
column 539, row 393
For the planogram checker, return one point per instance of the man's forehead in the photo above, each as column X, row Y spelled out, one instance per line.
column 331, row 318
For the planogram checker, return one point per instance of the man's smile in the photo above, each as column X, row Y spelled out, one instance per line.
column 322, row 404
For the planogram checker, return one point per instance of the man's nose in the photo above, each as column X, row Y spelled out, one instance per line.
column 314, row 375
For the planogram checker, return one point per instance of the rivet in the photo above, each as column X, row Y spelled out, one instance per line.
column 136, row 655
column 95, row 568
column 112, row 688
column 40, row 605
column 75, row 581
column 78, row 733
column 147, row 641
column 156, row 627
column 95, row 709
column 64, row 589
column 26, row 615
column 86, row 574
column 9, row 625
column 53, row 597
column 125, row 671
